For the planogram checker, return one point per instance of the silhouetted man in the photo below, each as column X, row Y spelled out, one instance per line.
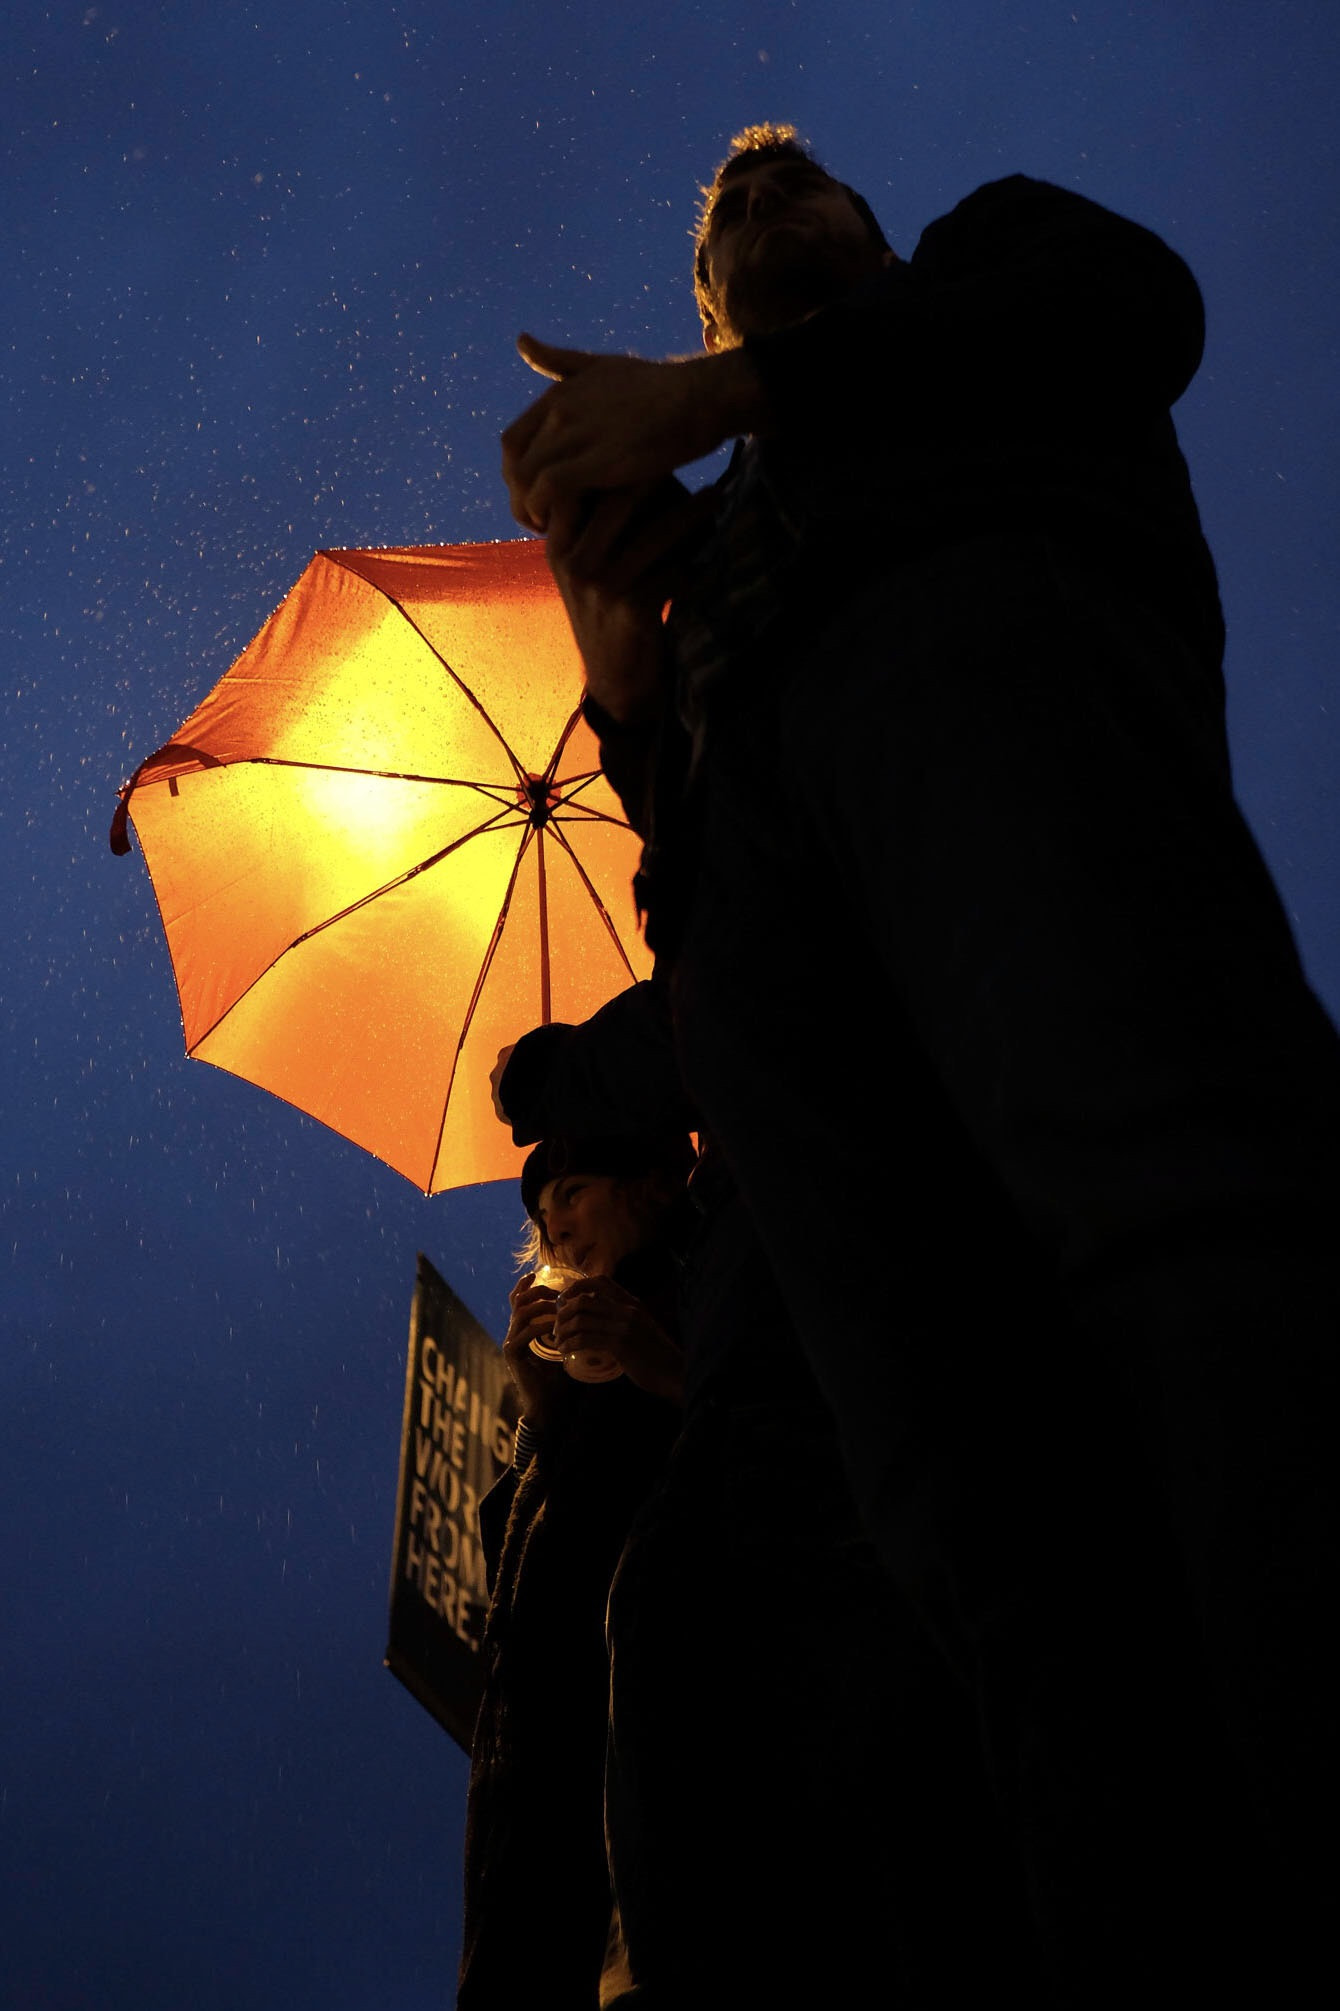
column 941, row 848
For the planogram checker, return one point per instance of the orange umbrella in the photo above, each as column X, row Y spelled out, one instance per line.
column 382, row 847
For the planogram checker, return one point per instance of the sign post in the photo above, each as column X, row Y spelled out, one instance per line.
column 460, row 1412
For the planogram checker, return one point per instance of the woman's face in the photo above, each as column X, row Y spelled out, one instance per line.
column 588, row 1222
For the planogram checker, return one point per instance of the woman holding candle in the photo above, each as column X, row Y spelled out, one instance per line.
column 599, row 1374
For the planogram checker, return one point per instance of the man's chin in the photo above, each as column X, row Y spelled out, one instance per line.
column 780, row 285
column 765, row 312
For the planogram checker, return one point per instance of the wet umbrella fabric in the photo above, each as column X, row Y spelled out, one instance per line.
column 382, row 847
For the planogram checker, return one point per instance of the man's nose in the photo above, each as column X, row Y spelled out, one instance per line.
column 764, row 196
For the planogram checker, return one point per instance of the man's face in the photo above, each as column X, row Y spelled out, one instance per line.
column 783, row 239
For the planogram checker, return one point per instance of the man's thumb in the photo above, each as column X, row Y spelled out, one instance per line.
column 550, row 360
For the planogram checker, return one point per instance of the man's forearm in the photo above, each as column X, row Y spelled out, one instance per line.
column 735, row 387
column 627, row 761
column 628, row 684
column 616, row 560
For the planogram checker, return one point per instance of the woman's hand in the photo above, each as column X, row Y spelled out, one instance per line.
column 538, row 1384
column 597, row 1313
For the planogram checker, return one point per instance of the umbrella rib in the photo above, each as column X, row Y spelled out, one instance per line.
column 389, row 886
column 563, row 740
column 582, row 813
column 120, row 840
column 545, row 1014
column 476, row 994
column 572, row 785
column 597, row 903
column 458, row 681
column 570, row 795
column 490, row 789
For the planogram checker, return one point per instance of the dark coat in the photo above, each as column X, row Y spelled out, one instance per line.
column 963, row 804
column 537, row 1894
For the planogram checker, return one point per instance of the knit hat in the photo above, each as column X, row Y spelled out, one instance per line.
column 621, row 1154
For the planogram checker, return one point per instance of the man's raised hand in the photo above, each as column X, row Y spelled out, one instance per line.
column 614, row 422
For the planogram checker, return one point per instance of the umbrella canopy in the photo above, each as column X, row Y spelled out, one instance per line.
column 382, row 847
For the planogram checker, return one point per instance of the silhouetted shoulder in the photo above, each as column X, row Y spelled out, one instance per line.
column 1026, row 304
column 1019, row 217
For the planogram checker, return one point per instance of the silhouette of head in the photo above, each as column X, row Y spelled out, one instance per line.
column 777, row 238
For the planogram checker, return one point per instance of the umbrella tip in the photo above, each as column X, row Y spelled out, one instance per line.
column 119, row 835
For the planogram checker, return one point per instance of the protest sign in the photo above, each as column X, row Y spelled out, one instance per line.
column 456, row 1440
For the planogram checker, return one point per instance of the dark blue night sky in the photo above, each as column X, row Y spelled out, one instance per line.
column 265, row 268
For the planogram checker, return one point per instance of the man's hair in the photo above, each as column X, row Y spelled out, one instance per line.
column 747, row 150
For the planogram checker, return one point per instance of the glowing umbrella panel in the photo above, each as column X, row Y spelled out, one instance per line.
column 382, row 846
